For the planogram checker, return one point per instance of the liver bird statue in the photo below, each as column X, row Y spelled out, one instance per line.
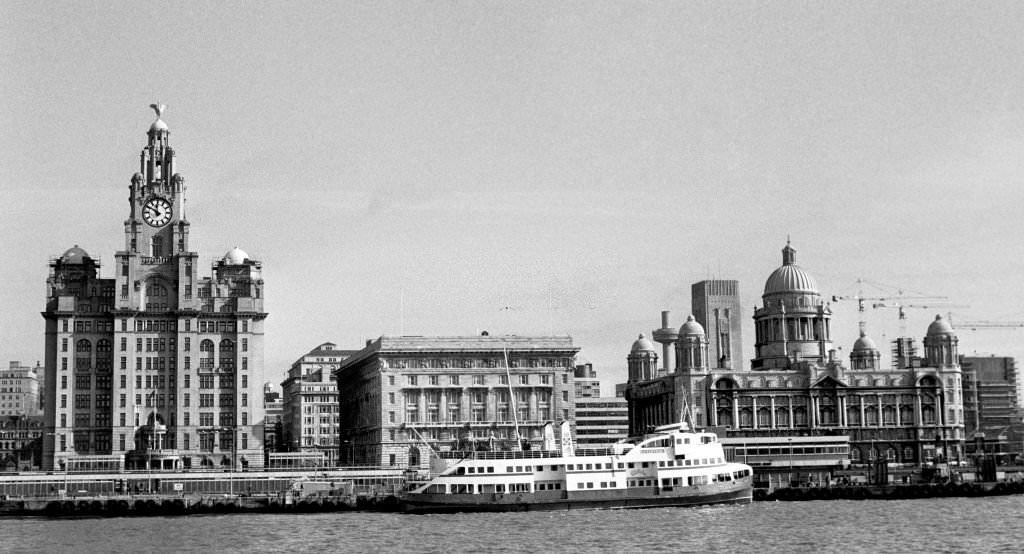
column 159, row 109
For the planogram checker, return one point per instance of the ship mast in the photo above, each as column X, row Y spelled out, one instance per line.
column 512, row 400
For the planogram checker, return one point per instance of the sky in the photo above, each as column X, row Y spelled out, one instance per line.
column 439, row 168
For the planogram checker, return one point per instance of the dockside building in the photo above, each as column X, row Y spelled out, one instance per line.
column 796, row 385
column 154, row 366
column 401, row 397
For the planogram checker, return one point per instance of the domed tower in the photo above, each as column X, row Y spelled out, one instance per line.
column 692, row 347
column 865, row 354
column 642, row 360
column 795, row 323
column 940, row 344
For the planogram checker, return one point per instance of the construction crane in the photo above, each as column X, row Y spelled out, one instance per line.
column 880, row 301
column 902, row 310
column 976, row 325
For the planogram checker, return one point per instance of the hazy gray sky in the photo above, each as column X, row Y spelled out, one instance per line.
column 581, row 164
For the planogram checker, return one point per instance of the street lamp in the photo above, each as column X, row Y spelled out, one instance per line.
column 790, row 440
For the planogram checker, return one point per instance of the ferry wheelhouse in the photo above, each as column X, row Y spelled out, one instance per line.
column 672, row 466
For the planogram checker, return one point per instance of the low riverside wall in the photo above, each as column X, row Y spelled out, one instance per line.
column 890, row 492
column 164, row 505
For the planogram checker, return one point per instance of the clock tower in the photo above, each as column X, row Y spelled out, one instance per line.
column 154, row 367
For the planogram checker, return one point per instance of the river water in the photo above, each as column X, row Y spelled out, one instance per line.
column 993, row 524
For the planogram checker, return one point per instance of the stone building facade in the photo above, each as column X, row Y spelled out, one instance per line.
column 400, row 394
column 19, row 390
column 310, row 402
column 154, row 366
column 910, row 413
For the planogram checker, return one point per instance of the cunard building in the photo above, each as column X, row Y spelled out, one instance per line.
column 797, row 386
column 154, row 366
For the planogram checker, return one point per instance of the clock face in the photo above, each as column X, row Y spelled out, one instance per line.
column 157, row 212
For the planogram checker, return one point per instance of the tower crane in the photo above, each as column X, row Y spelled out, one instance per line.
column 890, row 300
column 976, row 325
column 902, row 310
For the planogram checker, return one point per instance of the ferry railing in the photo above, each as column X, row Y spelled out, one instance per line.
column 517, row 455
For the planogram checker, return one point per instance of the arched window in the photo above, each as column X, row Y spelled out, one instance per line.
column 725, row 383
column 870, row 415
column 906, row 415
column 746, row 418
column 828, row 416
column 781, row 417
column 928, row 415
column 206, row 354
column 889, row 415
column 103, row 346
column 764, row 417
column 800, row 417
column 908, row 454
column 83, row 346
column 725, row 417
column 854, row 454
column 853, row 415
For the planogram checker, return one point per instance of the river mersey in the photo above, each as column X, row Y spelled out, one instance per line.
column 993, row 524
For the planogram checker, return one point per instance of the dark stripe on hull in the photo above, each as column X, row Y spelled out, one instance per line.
column 741, row 496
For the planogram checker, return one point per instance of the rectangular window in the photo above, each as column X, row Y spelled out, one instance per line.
column 186, row 400
column 524, row 379
column 412, row 379
column 245, row 345
column 434, row 380
column 391, row 380
column 123, row 403
column 453, row 379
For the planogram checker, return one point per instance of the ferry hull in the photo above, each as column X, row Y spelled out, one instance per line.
column 530, row 502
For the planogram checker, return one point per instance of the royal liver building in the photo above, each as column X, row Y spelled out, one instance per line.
column 154, row 366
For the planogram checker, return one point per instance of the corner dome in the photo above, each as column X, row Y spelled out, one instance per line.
column 158, row 125
column 642, row 344
column 235, row 256
column 691, row 327
column 864, row 343
column 790, row 277
column 74, row 255
column 939, row 327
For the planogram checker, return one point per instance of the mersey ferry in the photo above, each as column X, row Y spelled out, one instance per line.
column 671, row 466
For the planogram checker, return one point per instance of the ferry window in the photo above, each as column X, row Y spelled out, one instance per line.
column 519, row 468
column 661, row 463
column 679, row 441
column 590, row 485
column 675, row 481
column 490, row 469
column 590, row 466
column 686, row 441
column 499, row 488
column 579, row 485
column 568, row 467
column 620, row 465
column 644, row 464
column 608, row 466
column 688, row 462
column 558, row 486
column 472, row 470
column 459, row 471
column 630, row 465
column 508, row 469
column 529, row 468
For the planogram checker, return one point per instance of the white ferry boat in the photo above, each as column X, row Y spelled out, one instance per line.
column 672, row 466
